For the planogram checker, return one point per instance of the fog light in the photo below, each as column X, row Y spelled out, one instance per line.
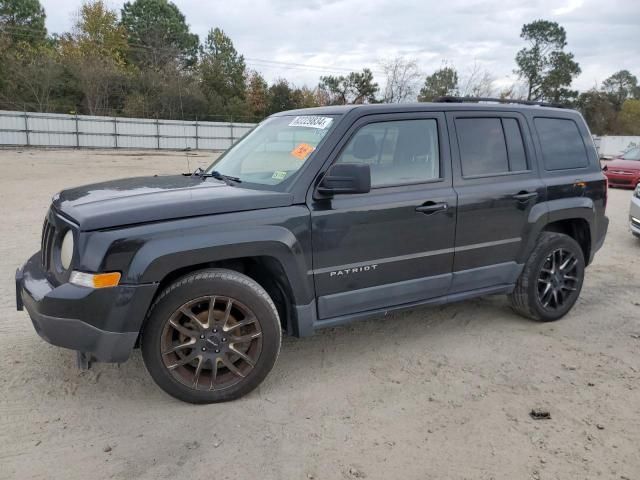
column 95, row 280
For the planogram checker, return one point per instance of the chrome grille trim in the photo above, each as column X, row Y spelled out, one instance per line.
column 48, row 234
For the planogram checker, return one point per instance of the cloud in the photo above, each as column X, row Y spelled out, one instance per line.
column 571, row 6
column 303, row 39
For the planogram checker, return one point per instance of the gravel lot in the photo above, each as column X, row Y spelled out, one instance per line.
column 436, row 393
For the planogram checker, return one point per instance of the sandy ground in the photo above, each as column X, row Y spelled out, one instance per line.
column 436, row 393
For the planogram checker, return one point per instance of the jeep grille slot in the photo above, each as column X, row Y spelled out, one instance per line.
column 48, row 233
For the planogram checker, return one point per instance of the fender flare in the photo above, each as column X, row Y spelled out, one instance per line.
column 555, row 210
column 159, row 256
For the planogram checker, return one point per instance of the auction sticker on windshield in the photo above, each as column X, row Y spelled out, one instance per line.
column 311, row 121
column 302, row 151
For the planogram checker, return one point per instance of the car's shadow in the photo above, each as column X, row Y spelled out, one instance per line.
column 301, row 360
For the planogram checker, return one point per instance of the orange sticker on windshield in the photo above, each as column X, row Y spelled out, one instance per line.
column 302, row 151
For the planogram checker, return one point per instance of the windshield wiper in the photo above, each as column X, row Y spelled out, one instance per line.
column 228, row 179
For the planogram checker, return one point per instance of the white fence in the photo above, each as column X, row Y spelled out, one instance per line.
column 611, row 145
column 82, row 131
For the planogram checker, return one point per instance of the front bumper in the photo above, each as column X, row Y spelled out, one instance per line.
column 102, row 323
column 634, row 216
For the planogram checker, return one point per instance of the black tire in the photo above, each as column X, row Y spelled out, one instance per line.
column 531, row 290
column 181, row 311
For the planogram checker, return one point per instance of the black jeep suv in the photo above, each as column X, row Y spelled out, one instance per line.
column 316, row 218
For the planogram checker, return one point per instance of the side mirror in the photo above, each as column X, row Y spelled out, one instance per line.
column 346, row 178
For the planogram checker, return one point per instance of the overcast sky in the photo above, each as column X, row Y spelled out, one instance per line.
column 334, row 36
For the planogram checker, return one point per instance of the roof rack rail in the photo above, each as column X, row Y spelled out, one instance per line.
column 450, row 99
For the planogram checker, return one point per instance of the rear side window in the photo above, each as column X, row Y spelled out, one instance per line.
column 515, row 146
column 490, row 146
column 561, row 144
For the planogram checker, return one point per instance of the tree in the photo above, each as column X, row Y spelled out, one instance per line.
column 544, row 65
column 32, row 75
column 441, row 83
column 257, row 95
column 158, row 33
column 598, row 111
column 629, row 117
column 280, row 97
column 305, row 97
column 355, row 88
column 95, row 52
column 169, row 92
column 478, row 82
column 402, row 75
column 223, row 73
column 621, row 86
column 23, row 21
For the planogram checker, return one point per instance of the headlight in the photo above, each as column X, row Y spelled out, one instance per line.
column 66, row 250
column 637, row 191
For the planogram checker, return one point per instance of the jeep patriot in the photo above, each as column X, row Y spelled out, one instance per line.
column 316, row 218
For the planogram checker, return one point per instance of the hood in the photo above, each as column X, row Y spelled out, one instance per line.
column 622, row 164
column 149, row 199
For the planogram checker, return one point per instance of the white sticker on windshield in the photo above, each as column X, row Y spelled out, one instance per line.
column 311, row 121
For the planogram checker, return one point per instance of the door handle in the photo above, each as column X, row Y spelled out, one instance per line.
column 525, row 196
column 429, row 208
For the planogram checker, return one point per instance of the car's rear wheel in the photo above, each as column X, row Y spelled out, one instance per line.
column 551, row 280
column 211, row 336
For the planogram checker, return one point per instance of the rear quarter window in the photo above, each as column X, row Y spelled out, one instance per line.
column 561, row 144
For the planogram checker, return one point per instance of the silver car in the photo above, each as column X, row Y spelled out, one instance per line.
column 634, row 212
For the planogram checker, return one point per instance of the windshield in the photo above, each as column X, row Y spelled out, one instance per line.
column 633, row 154
column 275, row 150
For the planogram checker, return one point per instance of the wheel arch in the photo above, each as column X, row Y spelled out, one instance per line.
column 267, row 271
column 571, row 216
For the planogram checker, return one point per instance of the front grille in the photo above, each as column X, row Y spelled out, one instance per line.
column 635, row 223
column 48, row 234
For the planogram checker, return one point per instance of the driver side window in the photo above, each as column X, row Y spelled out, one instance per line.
column 398, row 152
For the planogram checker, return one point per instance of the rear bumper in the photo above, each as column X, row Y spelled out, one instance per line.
column 101, row 323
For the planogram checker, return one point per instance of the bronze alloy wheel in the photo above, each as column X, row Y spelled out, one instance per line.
column 211, row 343
column 558, row 279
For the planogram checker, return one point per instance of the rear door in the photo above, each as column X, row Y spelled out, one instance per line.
column 497, row 182
column 393, row 245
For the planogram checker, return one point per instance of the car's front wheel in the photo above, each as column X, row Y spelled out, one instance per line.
column 551, row 280
column 211, row 336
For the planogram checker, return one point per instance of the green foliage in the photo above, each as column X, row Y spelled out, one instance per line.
column 32, row 76
column 158, row 33
column 621, row 86
column 23, row 21
column 597, row 109
column 94, row 54
column 441, row 83
column 223, row 73
column 629, row 117
column 355, row 88
column 257, row 95
column 546, row 68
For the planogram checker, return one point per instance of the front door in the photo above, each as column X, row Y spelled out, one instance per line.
column 393, row 245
